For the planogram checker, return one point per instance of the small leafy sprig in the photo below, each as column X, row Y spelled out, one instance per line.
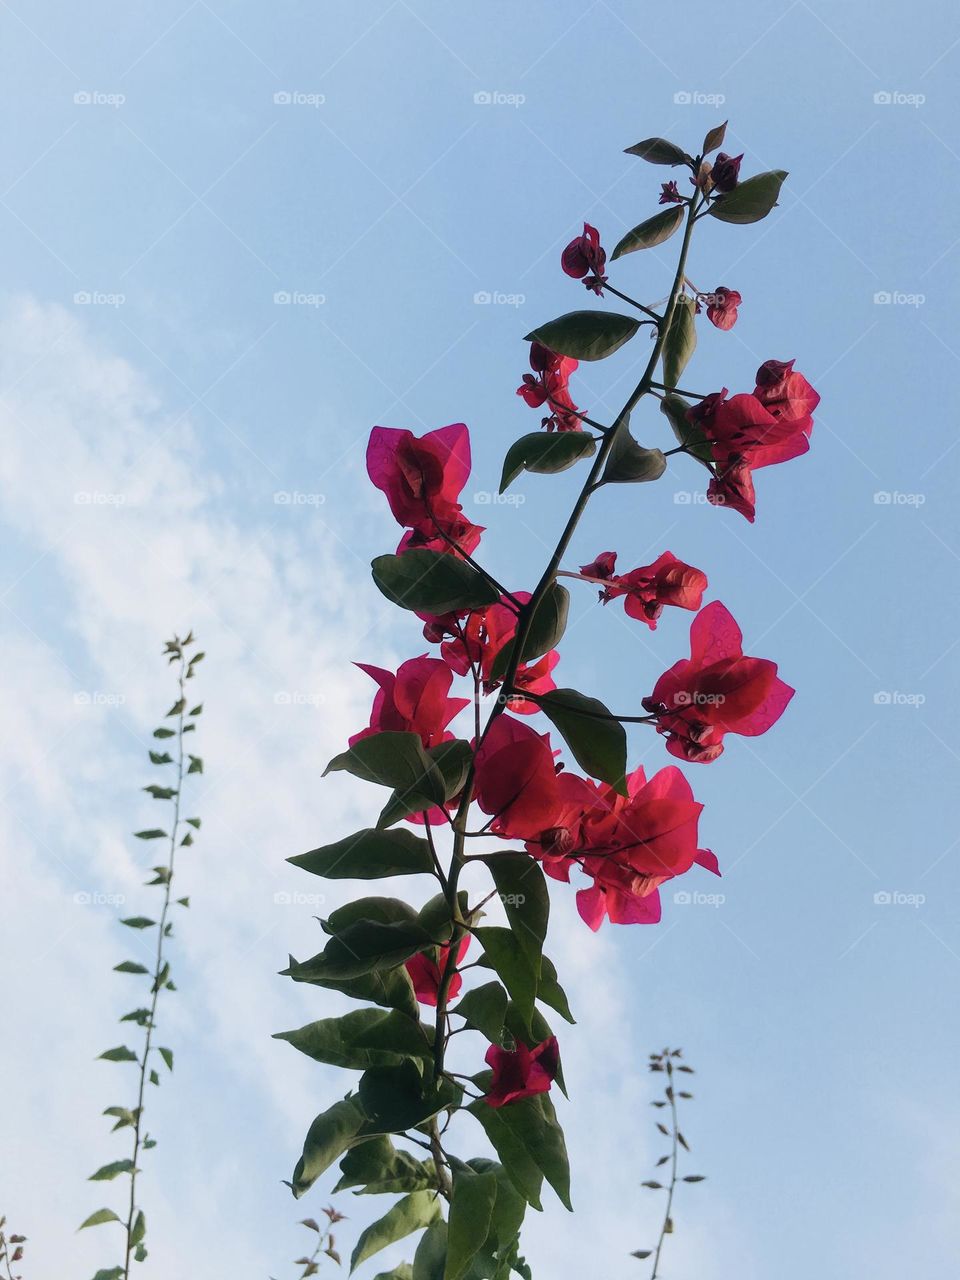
column 668, row 1062
column 182, row 763
column 11, row 1250
column 325, row 1245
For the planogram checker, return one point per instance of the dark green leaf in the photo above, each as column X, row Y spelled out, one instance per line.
column 430, row 1258
column 138, row 922
column 522, row 890
column 110, row 1171
column 714, row 138
column 114, row 1273
column 750, row 200
column 167, row 1056
column 453, row 760
column 403, row 1272
column 659, row 151
column 414, row 1211
column 160, row 793
column 484, row 1008
column 651, row 232
column 368, row 855
column 361, row 1039
column 680, row 341
column 130, row 966
column 164, row 733
column 512, row 1131
column 433, row 581
column 120, row 1054
column 367, row 946
column 396, row 1098
column 544, row 633
column 629, row 462
column 513, row 965
column 598, row 742
column 330, row 1135
column 395, row 760
column 390, row 988
column 161, row 757
column 154, row 833
column 586, row 335
column 99, row 1218
column 471, row 1210
column 139, row 1228
column 545, row 453
column 377, row 1167
column 689, row 434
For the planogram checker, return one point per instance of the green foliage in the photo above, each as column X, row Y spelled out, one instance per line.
column 751, row 199
column 545, row 453
column 651, row 232
column 432, row 581
column 597, row 740
column 586, row 335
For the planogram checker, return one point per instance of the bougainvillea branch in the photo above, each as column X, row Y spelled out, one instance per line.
column 178, row 834
column 11, row 1250
column 626, row 834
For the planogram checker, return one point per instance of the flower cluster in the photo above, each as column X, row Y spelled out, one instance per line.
column 646, row 590
column 549, row 385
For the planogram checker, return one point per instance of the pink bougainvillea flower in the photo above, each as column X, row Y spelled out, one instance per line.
column 584, row 258
column 722, row 307
column 733, row 487
column 726, row 172
column 601, row 568
column 413, row 701
column 521, row 1072
column 422, row 478
column 426, row 973
column 716, row 691
column 668, row 581
column 516, row 780
column 549, row 385
column 786, row 394
column 669, row 194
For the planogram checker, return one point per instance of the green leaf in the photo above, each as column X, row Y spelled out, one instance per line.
column 433, row 581
column 368, row 855
column 139, row 1229
column 160, row 793
column 545, row 632
column 330, row 1135
column 513, row 965
column 138, row 922
column 629, row 462
column 366, row 946
column 471, row 1209
column 430, row 1258
column 453, row 759
column 396, row 1098
column 714, row 138
column 522, row 890
column 530, row 1126
column 545, row 452
column 154, row 833
column 417, row 1210
column 110, row 1171
column 395, row 760
column 750, row 200
column 689, row 434
column 550, row 992
column 167, row 1056
column 680, row 341
column 585, row 335
column 403, row 1272
column 164, row 733
column 651, row 232
column 659, row 151
column 598, row 742
column 161, row 757
column 484, row 1009
column 196, row 764
column 194, row 822
column 130, row 966
column 114, row 1273
column 389, row 988
column 377, row 1168
column 120, row 1054
column 362, row 1039
column 99, row 1218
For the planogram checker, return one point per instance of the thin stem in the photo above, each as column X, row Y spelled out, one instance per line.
column 625, row 297
column 673, row 1172
column 474, row 564
column 158, row 966
column 679, row 391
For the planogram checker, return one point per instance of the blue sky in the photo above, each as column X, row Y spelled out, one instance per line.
column 148, row 166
